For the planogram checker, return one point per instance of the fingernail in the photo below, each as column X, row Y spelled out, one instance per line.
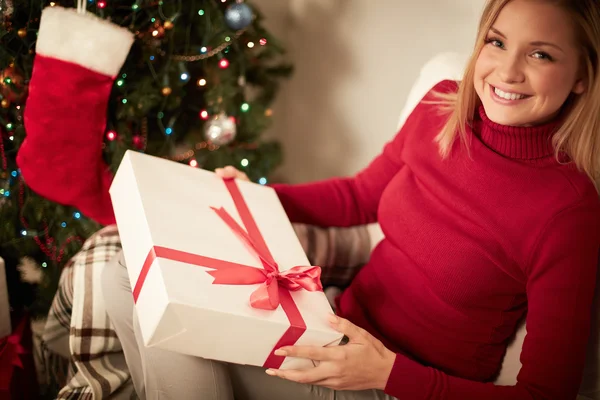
column 333, row 319
column 280, row 352
column 270, row 372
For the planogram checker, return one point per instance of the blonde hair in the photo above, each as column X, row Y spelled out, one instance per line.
column 579, row 135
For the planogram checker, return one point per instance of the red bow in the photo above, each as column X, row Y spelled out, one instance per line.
column 266, row 296
column 10, row 355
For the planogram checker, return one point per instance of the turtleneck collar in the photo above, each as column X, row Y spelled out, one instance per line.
column 523, row 143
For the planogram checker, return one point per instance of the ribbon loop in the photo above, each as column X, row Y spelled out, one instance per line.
column 267, row 295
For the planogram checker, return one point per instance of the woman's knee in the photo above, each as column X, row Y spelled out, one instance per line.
column 116, row 289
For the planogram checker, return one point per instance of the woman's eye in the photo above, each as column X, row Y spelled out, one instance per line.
column 540, row 55
column 495, row 42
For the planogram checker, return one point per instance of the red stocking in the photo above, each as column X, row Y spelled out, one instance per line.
column 78, row 57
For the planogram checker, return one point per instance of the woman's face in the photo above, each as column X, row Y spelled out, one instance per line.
column 529, row 64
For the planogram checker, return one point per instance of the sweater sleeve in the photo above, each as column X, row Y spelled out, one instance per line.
column 561, row 278
column 354, row 201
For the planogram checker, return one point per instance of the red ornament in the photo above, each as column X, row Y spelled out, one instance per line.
column 12, row 86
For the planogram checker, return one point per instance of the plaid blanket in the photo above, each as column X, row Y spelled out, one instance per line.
column 78, row 328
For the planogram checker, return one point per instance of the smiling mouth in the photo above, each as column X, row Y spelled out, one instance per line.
column 510, row 96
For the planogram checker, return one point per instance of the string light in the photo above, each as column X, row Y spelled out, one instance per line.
column 245, row 107
column 262, row 181
column 227, row 39
column 124, row 101
column 193, row 163
column 77, row 215
column 155, row 33
column 24, row 232
column 111, row 135
column 263, row 41
column 168, row 131
column 52, row 4
column 201, row 12
column 224, row 63
column 204, row 114
column 63, row 224
column 9, row 126
column 201, row 82
column 203, row 49
column 250, row 44
column 138, row 142
column 268, row 112
column 244, row 162
column 44, row 264
column 120, row 82
column 135, row 7
column 14, row 174
column 151, row 58
column 11, row 138
column 184, row 74
column 101, row 4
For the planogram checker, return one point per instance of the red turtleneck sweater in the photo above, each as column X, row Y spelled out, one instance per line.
column 471, row 244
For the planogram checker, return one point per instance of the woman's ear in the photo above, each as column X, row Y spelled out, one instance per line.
column 579, row 86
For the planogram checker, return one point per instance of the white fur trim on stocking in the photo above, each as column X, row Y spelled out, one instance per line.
column 83, row 39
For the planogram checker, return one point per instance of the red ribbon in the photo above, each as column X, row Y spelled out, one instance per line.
column 275, row 286
column 10, row 355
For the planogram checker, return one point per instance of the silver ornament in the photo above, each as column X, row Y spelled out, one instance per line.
column 220, row 130
column 238, row 16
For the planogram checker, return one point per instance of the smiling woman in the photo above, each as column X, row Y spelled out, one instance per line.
column 487, row 200
column 529, row 65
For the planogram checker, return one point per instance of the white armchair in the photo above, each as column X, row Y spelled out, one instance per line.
column 451, row 66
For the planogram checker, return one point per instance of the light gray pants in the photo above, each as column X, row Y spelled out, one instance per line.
column 162, row 374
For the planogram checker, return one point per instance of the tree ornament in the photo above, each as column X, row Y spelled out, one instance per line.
column 238, row 16
column 11, row 84
column 220, row 129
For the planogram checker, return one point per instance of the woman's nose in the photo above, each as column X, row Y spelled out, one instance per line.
column 510, row 70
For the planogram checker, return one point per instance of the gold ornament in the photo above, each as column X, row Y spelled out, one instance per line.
column 5, row 103
column 11, row 84
column 166, row 91
column 168, row 24
column 22, row 32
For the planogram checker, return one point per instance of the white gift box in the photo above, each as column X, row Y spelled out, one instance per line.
column 172, row 239
column 5, row 326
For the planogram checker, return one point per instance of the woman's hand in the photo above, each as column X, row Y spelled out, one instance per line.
column 363, row 363
column 230, row 172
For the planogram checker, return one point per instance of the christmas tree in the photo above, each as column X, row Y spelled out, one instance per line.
column 196, row 88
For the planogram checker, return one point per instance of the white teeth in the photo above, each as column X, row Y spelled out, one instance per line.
column 508, row 96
